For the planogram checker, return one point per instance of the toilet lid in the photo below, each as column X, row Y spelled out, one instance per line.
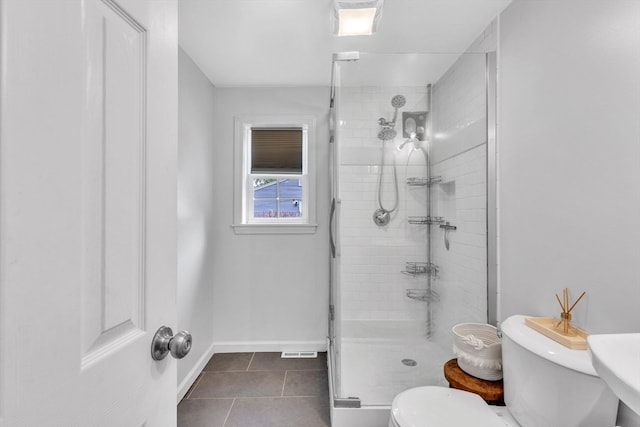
column 442, row 407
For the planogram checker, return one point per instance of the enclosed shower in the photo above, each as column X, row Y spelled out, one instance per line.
column 411, row 162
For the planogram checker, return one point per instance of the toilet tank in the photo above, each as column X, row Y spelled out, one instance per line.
column 547, row 384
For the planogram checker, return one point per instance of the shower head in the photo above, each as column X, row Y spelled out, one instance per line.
column 387, row 134
column 398, row 101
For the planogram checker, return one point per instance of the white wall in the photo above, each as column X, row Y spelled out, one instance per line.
column 196, row 213
column 270, row 291
column 569, row 160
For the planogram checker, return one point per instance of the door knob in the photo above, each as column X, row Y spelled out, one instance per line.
column 165, row 342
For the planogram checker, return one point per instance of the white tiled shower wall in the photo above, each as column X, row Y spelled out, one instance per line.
column 462, row 282
column 372, row 285
column 459, row 157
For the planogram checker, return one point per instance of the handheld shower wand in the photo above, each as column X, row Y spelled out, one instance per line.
column 382, row 215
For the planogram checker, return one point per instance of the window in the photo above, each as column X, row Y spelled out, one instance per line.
column 276, row 159
column 275, row 179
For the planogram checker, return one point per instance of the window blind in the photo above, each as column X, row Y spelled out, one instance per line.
column 276, row 151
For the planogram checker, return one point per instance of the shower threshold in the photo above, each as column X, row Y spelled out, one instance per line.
column 351, row 416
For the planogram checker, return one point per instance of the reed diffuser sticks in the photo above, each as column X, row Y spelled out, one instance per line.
column 565, row 316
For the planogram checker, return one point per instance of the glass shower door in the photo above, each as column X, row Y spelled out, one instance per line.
column 397, row 289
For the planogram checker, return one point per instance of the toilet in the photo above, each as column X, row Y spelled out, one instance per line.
column 545, row 384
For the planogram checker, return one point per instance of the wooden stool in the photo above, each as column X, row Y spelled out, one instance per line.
column 491, row 391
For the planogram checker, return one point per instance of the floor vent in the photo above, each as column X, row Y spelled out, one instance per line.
column 299, row 354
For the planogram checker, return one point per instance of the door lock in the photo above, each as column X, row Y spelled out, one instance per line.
column 165, row 342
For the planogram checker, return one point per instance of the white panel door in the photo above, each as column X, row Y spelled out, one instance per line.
column 88, row 154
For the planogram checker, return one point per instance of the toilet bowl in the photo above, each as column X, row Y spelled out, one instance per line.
column 545, row 384
column 446, row 407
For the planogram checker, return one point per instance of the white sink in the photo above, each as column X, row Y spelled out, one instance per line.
column 616, row 359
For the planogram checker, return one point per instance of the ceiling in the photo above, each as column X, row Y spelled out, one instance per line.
column 290, row 42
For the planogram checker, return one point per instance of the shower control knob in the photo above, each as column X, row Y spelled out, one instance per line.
column 381, row 217
column 164, row 342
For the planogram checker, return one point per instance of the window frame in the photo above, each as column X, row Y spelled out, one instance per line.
column 244, row 221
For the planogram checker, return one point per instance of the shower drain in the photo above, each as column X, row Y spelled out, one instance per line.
column 409, row 362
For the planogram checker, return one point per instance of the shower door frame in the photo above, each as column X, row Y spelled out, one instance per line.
column 333, row 344
column 492, row 189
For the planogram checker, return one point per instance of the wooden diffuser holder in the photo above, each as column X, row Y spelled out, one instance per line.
column 563, row 325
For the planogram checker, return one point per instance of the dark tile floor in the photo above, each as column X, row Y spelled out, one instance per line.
column 258, row 389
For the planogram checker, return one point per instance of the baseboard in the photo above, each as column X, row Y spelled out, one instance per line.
column 271, row 346
column 192, row 376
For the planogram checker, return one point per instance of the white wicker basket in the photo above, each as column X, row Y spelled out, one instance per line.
column 478, row 349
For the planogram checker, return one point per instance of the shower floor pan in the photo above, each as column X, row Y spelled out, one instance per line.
column 377, row 364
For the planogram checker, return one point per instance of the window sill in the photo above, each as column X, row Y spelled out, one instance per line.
column 274, row 228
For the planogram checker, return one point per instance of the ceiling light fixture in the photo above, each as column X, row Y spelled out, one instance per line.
column 356, row 17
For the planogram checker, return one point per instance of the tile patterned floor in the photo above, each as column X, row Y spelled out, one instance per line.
column 258, row 390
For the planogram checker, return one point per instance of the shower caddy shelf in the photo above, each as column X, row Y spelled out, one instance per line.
column 420, row 269
column 425, row 220
column 424, row 181
column 423, row 295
